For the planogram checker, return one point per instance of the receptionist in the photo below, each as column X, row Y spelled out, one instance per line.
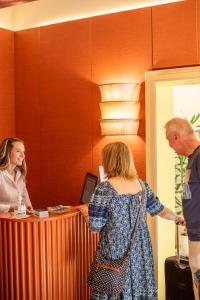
column 12, row 175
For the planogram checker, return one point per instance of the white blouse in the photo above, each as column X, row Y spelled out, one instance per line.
column 10, row 189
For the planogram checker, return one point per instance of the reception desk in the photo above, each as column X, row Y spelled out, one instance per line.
column 45, row 258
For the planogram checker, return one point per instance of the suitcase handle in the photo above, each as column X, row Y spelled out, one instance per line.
column 181, row 266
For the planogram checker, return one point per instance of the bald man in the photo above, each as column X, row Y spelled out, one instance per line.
column 182, row 139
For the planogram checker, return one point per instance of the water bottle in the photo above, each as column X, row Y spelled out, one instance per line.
column 21, row 207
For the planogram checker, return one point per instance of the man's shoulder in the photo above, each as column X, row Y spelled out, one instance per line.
column 194, row 159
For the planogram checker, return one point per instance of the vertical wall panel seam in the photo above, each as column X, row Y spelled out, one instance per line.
column 91, row 78
column 197, row 7
column 39, row 104
column 14, row 80
column 152, row 45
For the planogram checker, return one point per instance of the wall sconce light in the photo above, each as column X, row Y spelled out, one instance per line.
column 119, row 108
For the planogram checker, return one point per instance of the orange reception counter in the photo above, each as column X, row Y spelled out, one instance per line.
column 45, row 258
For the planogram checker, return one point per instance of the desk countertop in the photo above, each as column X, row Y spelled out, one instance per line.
column 32, row 218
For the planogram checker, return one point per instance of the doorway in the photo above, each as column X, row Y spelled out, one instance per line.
column 163, row 89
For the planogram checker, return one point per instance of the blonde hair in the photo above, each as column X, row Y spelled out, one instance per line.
column 178, row 125
column 5, row 150
column 117, row 160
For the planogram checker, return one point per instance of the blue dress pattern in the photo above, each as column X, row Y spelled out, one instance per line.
column 113, row 215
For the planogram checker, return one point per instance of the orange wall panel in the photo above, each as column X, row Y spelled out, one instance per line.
column 65, row 90
column 28, row 117
column 121, row 46
column 121, row 52
column 7, row 97
column 175, row 35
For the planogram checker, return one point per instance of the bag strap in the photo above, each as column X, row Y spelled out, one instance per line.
column 136, row 221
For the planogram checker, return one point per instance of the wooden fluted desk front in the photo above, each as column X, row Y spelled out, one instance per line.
column 45, row 258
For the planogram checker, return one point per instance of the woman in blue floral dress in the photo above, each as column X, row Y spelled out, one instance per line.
column 112, row 212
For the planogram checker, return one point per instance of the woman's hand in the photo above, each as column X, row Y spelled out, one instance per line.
column 84, row 211
column 168, row 214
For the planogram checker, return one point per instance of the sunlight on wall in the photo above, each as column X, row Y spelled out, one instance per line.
column 186, row 100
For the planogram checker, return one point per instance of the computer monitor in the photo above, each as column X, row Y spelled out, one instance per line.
column 88, row 187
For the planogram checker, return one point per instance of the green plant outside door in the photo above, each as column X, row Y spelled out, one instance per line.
column 180, row 167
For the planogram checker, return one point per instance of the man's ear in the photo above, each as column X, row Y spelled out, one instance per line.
column 175, row 137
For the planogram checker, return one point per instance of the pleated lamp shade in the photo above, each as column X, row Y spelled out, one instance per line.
column 119, row 108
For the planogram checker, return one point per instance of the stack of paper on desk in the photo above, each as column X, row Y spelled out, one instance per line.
column 58, row 209
column 41, row 212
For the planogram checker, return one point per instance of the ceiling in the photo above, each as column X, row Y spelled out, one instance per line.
column 6, row 3
column 36, row 13
column 133, row 3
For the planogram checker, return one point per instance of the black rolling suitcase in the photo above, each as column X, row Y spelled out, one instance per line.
column 178, row 278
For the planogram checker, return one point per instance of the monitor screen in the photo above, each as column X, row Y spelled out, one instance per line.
column 88, row 187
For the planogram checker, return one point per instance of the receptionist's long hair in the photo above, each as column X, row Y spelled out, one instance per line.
column 5, row 150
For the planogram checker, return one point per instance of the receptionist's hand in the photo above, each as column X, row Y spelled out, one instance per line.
column 29, row 210
column 12, row 207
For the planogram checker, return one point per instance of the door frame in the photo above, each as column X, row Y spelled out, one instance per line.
column 154, row 80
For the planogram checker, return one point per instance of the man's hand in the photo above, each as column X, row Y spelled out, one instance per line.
column 180, row 220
